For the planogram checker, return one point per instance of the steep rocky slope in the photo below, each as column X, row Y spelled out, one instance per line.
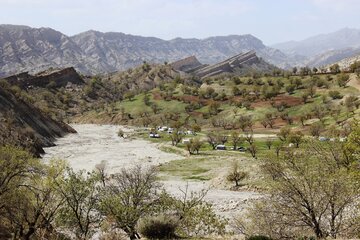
column 188, row 64
column 35, row 49
column 239, row 64
column 57, row 79
column 24, row 125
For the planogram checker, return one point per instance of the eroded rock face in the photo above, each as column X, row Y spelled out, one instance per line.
column 239, row 64
column 60, row 78
column 188, row 64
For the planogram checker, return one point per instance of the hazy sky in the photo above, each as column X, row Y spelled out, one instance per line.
column 270, row 20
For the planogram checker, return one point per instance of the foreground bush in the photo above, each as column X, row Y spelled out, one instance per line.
column 158, row 227
column 258, row 237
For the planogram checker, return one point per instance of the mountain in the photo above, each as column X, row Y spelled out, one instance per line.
column 331, row 57
column 24, row 48
column 346, row 62
column 310, row 47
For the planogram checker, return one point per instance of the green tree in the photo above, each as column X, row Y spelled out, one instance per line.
column 313, row 193
column 80, row 212
column 128, row 196
column 296, row 138
column 343, row 79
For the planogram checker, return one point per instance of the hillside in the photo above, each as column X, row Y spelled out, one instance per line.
column 24, row 125
column 36, row 49
column 331, row 57
column 347, row 62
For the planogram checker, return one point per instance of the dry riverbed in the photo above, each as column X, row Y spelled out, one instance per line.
column 96, row 143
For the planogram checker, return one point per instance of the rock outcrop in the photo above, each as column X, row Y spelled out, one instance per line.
column 239, row 64
column 59, row 78
column 188, row 64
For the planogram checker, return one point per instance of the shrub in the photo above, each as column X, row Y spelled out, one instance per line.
column 158, row 227
column 121, row 133
column 258, row 237
column 335, row 94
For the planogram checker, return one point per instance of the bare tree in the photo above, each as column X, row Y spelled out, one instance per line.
column 235, row 175
column 236, row 139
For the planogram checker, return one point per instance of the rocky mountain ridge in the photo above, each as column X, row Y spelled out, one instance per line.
column 239, row 64
column 319, row 44
column 35, row 49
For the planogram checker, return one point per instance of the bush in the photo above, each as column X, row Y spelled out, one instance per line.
column 158, row 227
column 335, row 94
column 258, row 237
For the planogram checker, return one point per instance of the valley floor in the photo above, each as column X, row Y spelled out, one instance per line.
column 96, row 143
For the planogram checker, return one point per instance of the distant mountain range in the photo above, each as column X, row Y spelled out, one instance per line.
column 24, row 48
column 323, row 49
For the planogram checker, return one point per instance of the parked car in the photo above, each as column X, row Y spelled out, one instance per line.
column 154, row 135
column 323, row 139
column 241, row 149
column 220, row 147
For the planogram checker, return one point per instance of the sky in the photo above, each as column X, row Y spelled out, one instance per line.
column 272, row 21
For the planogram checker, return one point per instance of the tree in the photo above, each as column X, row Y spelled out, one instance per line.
column 212, row 140
column 253, row 150
column 235, row 175
column 214, row 108
column 194, row 145
column 177, row 134
column 278, row 145
column 147, row 99
column 305, row 97
column 270, row 119
column 249, row 137
column 296, row 138
column 343, row 79
column 315, row 70
column 284, row 134
column 35, row 205
column 245, row 122
column 294, row 70
column 129, row 95
column 269, row 142
column 350, row 103
column 236, row 139
column 312, row 194
column 80, row 212
column 196, row 128
column 316, row 129
column 335, row 68
column 128, row 196
column 155, row 108
column 16, row 167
